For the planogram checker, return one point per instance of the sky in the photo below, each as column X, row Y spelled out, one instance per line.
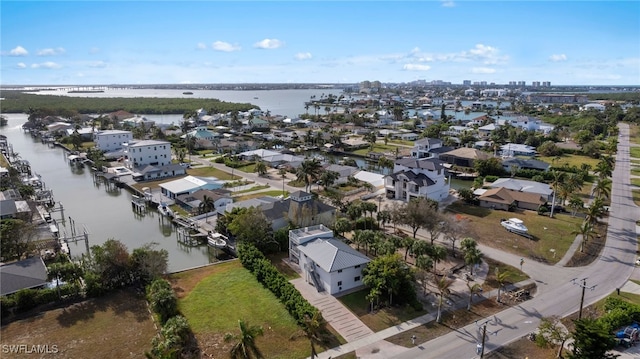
column 153, row 42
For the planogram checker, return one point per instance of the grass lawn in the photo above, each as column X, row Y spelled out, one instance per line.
column 635, row 162
column 87, row 145
column 153, row 184
column 3, row 161
column 214, row 298
column 485, row 228
column 634, row 134
column 635, row 152
column 635, row 181
column 571, row 160
column 212, row 172
column 261, row 194
column 250, row 168
column 636, row 196
column 254, row 188
column 117, row 325
column 382, row 318
column 296, row 183
column 378, row 147
column 635, row 171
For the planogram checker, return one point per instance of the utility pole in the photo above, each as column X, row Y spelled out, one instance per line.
column 583, row 285
column 480, row 348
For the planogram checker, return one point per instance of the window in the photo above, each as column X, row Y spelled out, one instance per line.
column 339, row 270
column 356, row 279
column 358, row 266
column 339, row 283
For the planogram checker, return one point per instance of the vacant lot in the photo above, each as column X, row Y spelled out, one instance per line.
column 115, row 326
column 214, row 298
column 570, row 160
column 212, row 172
column 549, row 233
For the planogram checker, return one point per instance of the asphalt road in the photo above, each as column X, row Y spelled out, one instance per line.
column 557, row 295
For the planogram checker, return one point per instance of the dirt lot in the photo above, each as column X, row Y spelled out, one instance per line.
column 115, row 326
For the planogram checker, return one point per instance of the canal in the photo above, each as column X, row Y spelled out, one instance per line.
column 105, row 213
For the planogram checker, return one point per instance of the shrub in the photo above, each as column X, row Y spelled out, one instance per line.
column 491, row 178
column 162, row 300
column 93, row 285
column 6, row 305
column 26, row 299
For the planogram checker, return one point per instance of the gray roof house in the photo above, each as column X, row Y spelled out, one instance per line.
column 524, row 164
column 24, row 274
column 519, row 185
column 326, row 262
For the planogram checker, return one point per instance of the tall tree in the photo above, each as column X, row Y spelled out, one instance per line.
column 309, row 171
column 444, row 289
column 501, row 277
column 592, row 340
column 245, row 346
column 416, row 213
column 602, row 188
column 585, row 231
column 473, row 289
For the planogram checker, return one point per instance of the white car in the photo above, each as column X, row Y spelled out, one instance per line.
column 638, row 262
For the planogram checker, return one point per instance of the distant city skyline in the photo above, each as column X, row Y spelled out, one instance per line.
column 153, row 42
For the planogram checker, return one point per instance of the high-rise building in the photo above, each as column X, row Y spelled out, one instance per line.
column 483, row 83
column 522, row 83
column 512, row 83
column 546, row 84
column 535, row 84
column 466, row 82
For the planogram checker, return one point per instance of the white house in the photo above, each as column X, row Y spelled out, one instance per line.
column 112, row 140
column 593, row 106
column 147, row 152
column 189, row 184
column 326, row 263
column 413, row 178
column 422, row 147
column 517, row 149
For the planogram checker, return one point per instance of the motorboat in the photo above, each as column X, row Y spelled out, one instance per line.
column 217, row 240
column 165, row 210
column 514, row 225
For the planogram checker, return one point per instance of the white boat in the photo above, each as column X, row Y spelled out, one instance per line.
column 165, row 210
column 514, row 225
column 216, row 240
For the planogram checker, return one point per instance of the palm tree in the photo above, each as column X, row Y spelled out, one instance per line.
column 283, row 173
column 585, row 231
column 245, row 345
column 206, row 205
column 261, row 168
column 328, row 178
column 473, row 288
column 472, row 257
column 575, row 203
column 424, row 263
column 604, row 168
column 602, row 188
column 443, row 286
column 595, row 211
column 314, row 328
column 308, row 172
column 501, row 278
column 557, row 180
column 438, row 253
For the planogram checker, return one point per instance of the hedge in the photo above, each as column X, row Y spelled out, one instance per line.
column 269, row 276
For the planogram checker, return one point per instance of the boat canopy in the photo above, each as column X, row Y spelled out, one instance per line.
column 516, row 220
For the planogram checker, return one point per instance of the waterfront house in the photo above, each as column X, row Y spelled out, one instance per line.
column 527, row 186
column 112, row 140
column 85, row 133
column 517, row 149
column 188, row 185
column 138, row 121
column 15, row 209
column 507, row 199
column 464, row 157
column 326, row 262
column 149, row 172
column 191, row 201
column 514, row 163
column 147, row 152
column 423, row 147
column 413, row 178
column 344, row 172
column 30, row 273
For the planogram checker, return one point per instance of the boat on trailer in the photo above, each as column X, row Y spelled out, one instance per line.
column 514, row 225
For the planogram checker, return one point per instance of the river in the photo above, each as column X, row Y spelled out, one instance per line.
column 105, row 214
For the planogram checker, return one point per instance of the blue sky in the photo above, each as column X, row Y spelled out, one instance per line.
column 147, row 42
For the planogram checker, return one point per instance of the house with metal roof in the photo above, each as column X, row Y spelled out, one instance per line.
column 414, row 178
column 327, row 263
column 24, row 274
column 520, row 185
column 524, row 164
column 189, row 184
column 423, row 147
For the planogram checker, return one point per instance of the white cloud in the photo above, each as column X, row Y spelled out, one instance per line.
column 416, row 67
column 98, row 64
column 303, row 56
column 51, row 51
column 558, row 57
column 94, row 50
column 49, row 65
column 448, row 3
column 225, row 46
column 483, row 70
column 19, row 51
column 269, row 44
column 201, row 46
column 21, row 65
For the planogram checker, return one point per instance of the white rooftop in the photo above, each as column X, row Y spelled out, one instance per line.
column 183, row 184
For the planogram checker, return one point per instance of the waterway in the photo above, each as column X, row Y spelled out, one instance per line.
column 105, row 214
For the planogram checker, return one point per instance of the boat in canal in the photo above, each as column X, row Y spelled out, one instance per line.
column 165, row 210
column 217, row 240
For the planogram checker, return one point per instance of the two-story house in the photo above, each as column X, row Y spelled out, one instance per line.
column 326, row 262
column 112, row 140
column 422, row 147
column 413, row 178
column 147, row 152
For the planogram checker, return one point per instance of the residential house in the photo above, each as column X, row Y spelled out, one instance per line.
column 507, row 199
column 149, row 172
column 138, row 121
column 517, row 149
column 520, row 185
column 29, row 273
column 147, row 152
column 413, row 178
column 593, row 106
column 486, row 130
column 464, row 157
column 191, row 201
column 85, row 133
column 188, row 185
column 514, row 163
column 326, row 262
column 344, row 172
column 59, row 128
column 15, row 209
column 423, row 147
column 112, row 140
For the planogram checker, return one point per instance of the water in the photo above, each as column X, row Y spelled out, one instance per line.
column 105, row 214
column 279, row 102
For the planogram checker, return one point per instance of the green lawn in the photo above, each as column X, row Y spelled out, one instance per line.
column 634, row 134
column 635, row 152
column 296, row 183
column 378, row 147
column 635, row 171
column 571, row 160
column 218, row 301
column 250, row 168
column 254, row 188
column 212, row 172
column 380, row 319
column 485, row 227
column 636, row 196
column 261, row 194
column 635, row 181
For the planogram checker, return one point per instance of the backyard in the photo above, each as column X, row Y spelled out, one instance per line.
column 570, row 160
column 117, row 325
column 548, row 233
column 214, row 298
